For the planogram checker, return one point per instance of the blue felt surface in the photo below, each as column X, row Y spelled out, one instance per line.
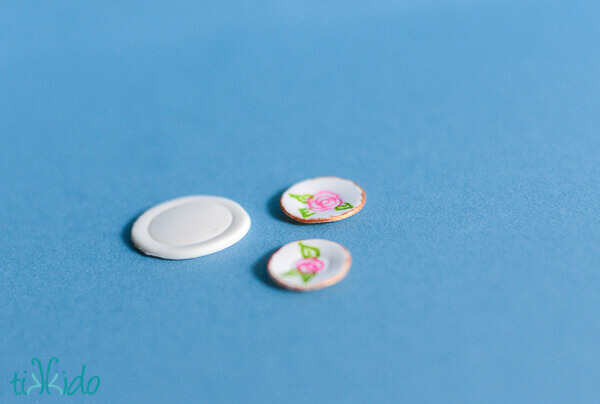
column 473, row 127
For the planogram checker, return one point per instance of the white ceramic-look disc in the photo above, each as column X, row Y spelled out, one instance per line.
column 190, row 227
column 309, row 264
column 323, row 199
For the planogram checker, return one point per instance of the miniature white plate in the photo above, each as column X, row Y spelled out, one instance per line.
column 309, row 264
column 190, row 227
column 323, row 199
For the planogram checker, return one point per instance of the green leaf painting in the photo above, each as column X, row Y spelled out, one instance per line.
column 309, row 252
column 296, row 272
column 305, row 212
column 302, row 198
column 344, row 206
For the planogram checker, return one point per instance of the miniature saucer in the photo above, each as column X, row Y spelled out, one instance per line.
column 309, row 264
column 190, row 227
column 323, row 199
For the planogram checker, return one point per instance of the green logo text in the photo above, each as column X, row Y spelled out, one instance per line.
column 46, row 380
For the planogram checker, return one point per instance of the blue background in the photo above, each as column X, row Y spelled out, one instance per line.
column 472, row 125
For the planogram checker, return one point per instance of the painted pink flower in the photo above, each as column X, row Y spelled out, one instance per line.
column 309, row 265
column 324, row 200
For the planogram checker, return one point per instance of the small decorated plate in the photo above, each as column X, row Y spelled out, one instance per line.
column 309, row 264
column 323, row 199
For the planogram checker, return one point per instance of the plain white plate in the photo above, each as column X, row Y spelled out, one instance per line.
column 190, row 227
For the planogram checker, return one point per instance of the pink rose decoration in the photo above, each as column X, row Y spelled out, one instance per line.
column 309, row 265
column 324, row 200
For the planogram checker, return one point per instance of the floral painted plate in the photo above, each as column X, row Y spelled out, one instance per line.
column 309, row 264
column 323, row 199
